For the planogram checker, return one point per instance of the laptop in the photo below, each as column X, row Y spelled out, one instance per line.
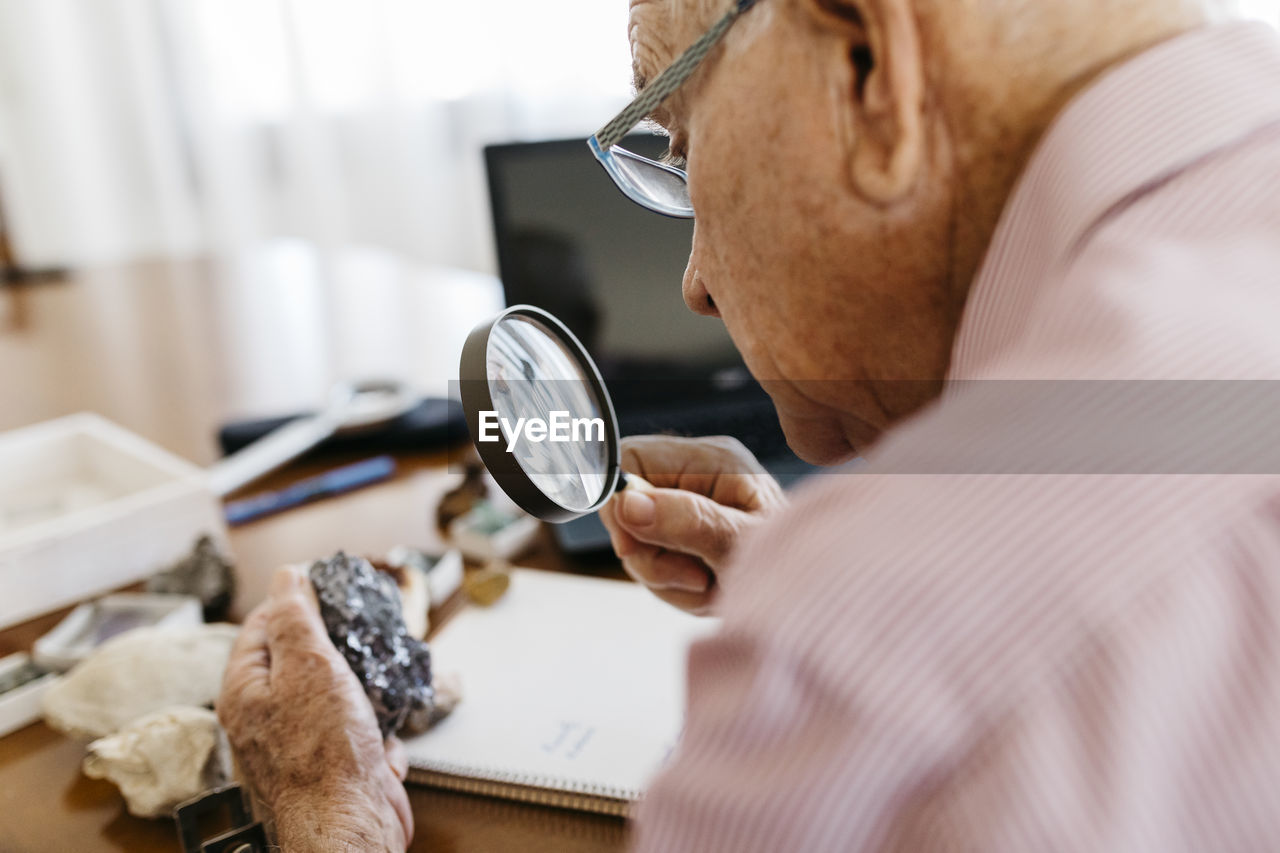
column 569, row 242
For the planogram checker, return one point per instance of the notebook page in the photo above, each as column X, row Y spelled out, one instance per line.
column 568, row 682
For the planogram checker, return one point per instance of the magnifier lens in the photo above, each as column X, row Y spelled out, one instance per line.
column 544, row 398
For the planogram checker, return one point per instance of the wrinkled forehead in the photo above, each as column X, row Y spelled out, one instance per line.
column 660, row 30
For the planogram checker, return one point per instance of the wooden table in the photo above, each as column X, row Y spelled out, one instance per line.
column 172, row 349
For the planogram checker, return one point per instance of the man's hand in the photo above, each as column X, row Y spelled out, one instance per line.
column 305, row 734
column 675, row 538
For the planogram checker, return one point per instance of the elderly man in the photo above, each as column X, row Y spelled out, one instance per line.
column 1034, row 619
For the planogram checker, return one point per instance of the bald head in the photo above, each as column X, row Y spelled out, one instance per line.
column 990, row 45
column 848, row 161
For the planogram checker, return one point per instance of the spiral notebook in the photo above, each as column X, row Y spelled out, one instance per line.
column 573, row 693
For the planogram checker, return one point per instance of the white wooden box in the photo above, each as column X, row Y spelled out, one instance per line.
column 86, row 506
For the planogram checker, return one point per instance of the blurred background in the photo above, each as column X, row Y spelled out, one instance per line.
column 146, row 128
column 143, row 128
column 216, row 209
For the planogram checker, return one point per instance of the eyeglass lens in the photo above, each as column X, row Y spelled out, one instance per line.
column 652, row 181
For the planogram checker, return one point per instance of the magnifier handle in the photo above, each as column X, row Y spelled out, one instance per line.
column 632, row 481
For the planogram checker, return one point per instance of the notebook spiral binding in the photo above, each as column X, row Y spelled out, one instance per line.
column 543, row 791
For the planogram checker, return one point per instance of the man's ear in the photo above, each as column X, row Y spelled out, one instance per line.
column 883, row 126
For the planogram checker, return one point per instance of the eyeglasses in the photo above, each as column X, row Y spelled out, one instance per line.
column 657, row 186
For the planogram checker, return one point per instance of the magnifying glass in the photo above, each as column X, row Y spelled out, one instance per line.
column 540, row 416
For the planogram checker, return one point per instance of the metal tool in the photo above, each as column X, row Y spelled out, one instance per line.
column 243, row 835
column 352, row 407
column 336, row 482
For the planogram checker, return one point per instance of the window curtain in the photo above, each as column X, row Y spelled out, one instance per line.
column 141, row 128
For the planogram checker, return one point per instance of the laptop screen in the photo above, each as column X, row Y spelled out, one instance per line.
column 570, row 242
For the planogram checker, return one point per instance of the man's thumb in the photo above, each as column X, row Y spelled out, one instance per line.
column 294, row 623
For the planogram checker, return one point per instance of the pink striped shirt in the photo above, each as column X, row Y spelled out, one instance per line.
column 1029, row 643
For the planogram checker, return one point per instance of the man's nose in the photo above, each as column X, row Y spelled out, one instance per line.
column 694, row 288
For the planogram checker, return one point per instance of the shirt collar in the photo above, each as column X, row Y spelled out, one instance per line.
column 1137, row 126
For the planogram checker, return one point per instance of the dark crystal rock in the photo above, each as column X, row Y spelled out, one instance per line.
column 361, row 611
column 205, row 574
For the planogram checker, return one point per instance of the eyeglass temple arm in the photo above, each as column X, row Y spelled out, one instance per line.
column 668, row 81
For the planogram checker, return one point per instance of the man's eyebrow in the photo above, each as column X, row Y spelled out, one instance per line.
column 638, row 79
column 659, row 115
column 641, row 81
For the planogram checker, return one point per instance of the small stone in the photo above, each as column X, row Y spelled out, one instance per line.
column 162, row 759
column 205, row 574
column 442, row 571
column 459, row 501
column 137, row 673
column 485, row 586
column 448, row 689
column 362, row 613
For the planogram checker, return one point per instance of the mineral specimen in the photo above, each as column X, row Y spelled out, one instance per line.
column 361, row 611
column 443, row 571
column 203, row 573
column 137, row 673
column 460, row 500
column 162, row 759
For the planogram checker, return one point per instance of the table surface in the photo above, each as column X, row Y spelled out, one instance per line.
column 172, row 349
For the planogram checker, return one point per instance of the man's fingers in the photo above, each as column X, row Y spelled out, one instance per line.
column 718, row 467
column 681, row 521
column 249, row 658
column 663, row 458
column 248, row 671
column 397, row 757
column 398, row 761
column 697, row 603
column 660, row 569
column 399, row 800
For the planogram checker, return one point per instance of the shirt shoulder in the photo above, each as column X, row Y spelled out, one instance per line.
column 959, row 593
column 1177, row 281
column 898, row 649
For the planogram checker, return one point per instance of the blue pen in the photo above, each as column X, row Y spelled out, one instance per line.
column 325, row 485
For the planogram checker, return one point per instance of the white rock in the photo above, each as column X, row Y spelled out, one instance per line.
column 415, row 597
column 162, row 759
column 137, row 673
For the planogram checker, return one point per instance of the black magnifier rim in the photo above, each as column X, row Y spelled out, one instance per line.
column 477, row 398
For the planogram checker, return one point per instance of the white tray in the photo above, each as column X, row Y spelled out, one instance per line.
column 21, row 706
column 86, row 507
column 94, row 622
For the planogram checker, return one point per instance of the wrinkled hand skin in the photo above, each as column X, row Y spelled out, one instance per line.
column 675, row 533
column 305, row 735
